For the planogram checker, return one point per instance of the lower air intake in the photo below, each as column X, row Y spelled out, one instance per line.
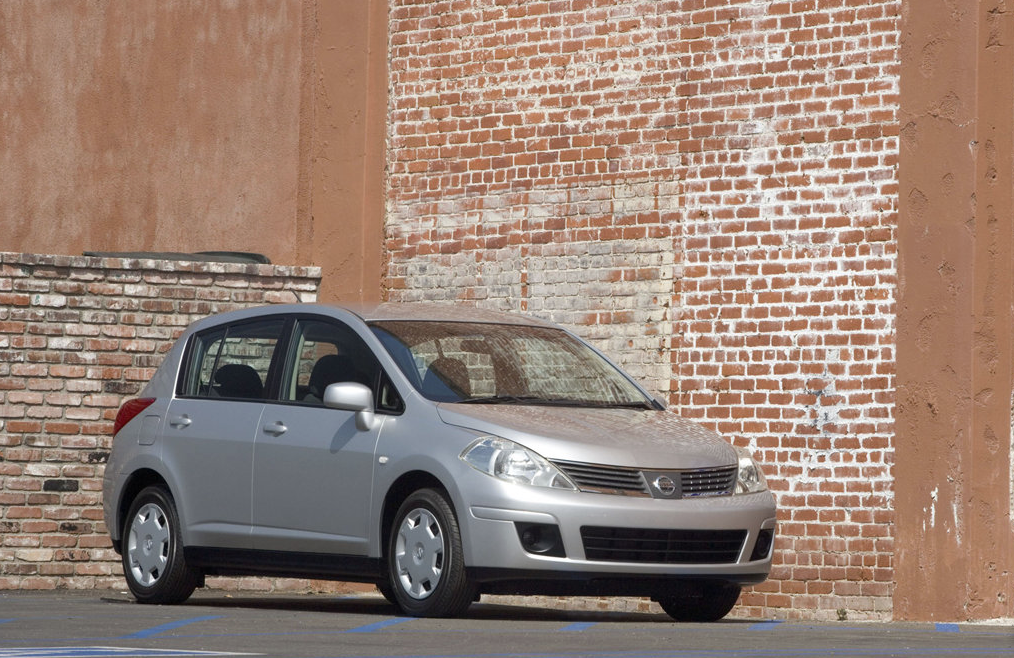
column 648, row 545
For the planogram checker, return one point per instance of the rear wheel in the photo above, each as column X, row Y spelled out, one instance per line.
column 153, row 562
column 700, row 601
column 426, row 567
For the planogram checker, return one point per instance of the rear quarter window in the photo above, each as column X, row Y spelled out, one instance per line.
column 231, row 362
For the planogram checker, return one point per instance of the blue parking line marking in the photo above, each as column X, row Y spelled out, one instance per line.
column 105, row 652
column 376, row 626
column 148, row 632
column 764, row 625
column 947, row 628
column 578, row 626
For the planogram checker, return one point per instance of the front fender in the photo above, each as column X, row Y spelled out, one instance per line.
column 402, row 468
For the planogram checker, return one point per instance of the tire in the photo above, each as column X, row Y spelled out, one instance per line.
column 700, row 601
column 426, row 566
column 153, row 562
column 385, row 590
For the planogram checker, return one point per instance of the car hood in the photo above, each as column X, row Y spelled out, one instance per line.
column 618, row 437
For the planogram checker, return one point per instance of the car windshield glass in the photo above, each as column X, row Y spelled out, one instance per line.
column 481, row 363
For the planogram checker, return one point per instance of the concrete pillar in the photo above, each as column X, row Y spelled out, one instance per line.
column 341, row 229
column 954, row 556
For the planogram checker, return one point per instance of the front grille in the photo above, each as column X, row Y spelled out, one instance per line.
column 708, row 481
column 605, row 479
column 648, row 545
column 618, row 480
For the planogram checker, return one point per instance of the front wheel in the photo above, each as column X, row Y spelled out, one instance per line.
column 700, row 601
column 426, row 567
column 384, row 587
column 153, row 562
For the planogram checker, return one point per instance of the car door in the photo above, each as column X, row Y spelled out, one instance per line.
column 211, row 426
column 313, row 469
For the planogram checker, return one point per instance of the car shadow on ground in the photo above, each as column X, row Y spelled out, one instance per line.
column 375, row 605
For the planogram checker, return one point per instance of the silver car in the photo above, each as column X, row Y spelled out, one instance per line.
column 438, row 452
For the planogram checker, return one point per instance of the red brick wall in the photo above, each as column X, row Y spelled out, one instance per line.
column 77, row 336
column 706, row 189
column 788, row 292
column 534, row 165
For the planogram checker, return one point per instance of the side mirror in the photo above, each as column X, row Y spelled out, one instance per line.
column 351, row 396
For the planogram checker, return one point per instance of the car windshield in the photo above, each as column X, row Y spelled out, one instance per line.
column 481, row 363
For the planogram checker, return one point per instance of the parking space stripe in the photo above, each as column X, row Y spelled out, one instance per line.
column 764, row 625
column 947, row 628
column 578, row 626
column 376, row 626
column 149, row 632
column 107, row 652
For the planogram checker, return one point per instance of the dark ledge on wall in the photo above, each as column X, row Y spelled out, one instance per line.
column 245, row 257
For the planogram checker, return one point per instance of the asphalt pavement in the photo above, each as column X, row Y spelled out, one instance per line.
column 98, row 624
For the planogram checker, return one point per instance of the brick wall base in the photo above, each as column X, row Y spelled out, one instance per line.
column 78, row 335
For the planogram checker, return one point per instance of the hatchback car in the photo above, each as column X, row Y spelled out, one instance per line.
column 438, row 452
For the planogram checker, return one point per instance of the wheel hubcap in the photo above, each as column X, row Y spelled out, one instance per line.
column 419, row 553
column 148, row 544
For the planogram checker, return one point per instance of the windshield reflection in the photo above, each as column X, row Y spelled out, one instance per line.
column 480, row 363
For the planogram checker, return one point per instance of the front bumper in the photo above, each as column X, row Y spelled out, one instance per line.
column 494, row 550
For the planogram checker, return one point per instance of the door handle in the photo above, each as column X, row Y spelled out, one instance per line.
column 180, row 421
column 276, row 428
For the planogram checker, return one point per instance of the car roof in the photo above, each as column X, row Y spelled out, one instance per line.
column 438, row 312
column 387, row 311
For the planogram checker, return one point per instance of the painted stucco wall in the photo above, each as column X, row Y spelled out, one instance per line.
column 954, row 481
column 194, row 126
column 132, row 125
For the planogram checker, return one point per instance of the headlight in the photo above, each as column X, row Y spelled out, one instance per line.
column 512, row 462
column 750, row 478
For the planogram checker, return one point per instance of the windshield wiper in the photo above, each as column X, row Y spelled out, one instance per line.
column 502, row 399
column 591, row 404
column 553, row 402
column 630, row 405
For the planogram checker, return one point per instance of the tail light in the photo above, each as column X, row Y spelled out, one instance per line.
column 130, row 409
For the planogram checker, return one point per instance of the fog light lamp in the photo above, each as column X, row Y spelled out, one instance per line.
column 541, row 539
